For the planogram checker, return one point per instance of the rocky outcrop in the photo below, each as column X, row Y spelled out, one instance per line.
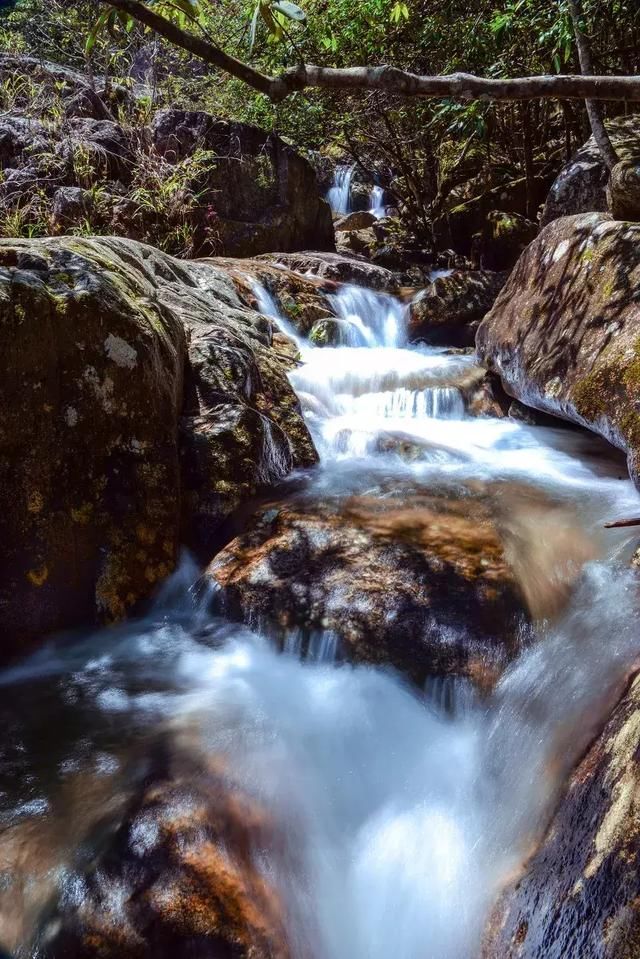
column 449, row 310
column 563, row 335
column 339, row 267
column 420, row 582
column 140, row 403
column 166, row 183
column 581, row 185
column 274, row 204
column 579, row 893
column 503, row 238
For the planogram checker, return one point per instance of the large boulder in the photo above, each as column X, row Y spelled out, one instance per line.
column 581, row 185
column 117, row 440
column 449, row 310
column 274, row 203
column 564, row 334
column 418, row 581
column 579, row 893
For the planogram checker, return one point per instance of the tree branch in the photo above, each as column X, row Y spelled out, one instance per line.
column 461, row 86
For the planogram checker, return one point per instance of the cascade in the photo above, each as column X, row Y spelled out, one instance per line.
column 402, row 812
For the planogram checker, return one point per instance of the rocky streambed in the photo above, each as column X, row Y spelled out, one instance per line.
column 345, row 726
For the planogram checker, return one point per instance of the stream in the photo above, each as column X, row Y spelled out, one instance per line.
column 401, row 812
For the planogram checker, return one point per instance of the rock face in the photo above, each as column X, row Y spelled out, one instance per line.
column 580, row 891
column 188, row 879
column 449, row 310
column 111, row 425
column 580, row 187
column 420, row 583
column 564, row 334
column 274, row 203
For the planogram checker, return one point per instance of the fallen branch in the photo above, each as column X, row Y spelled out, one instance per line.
column 622, row 523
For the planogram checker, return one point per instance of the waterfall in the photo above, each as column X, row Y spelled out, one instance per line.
column 339, row 196
column 376, row 203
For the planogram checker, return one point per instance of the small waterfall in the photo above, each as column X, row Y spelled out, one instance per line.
column 268, row 307
column 380, row 318
column 376, row 203
column 339, row 196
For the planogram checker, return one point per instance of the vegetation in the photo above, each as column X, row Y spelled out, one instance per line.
column 432, row 155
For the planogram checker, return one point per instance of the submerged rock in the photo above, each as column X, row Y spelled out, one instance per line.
column 180, row 877
column 563, row 335
column 579, row 893
column 581, row 185
column 420, row 582
column 110, row 454
column 449, row 310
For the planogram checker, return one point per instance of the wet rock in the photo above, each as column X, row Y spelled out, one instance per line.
column 331, row 332
column 359, row 220
column 563, row 334
column 450, row 309
column 581, row 185
column 579, row 892
column 188, row 878
column 274, row 204
column 302, row 300
column 96, row 419
column 420, row 581
column 338, row 267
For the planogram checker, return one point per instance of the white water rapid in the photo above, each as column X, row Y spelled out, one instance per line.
column 376, row 203
column 400, row 814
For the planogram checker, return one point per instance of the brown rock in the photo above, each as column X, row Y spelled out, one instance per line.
column 339, row 267
column 420, row 582
column 360, row 220
column 563, row 335
column 580, row 892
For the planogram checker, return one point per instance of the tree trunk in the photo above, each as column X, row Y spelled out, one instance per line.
column 594, row 109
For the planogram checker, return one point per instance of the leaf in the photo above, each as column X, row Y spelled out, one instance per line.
column 399, row 11
column 290, row 10
column 254, row 27
column 98, row 26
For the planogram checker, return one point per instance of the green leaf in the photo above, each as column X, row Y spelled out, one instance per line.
column 290, row 10
column 97, row 28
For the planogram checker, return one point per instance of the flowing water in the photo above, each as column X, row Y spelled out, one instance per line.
column 339, row 195
column 376, row 203
column 400, row 812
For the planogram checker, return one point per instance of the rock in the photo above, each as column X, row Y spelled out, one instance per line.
column 87, row 103
column 274, row 204
column 71, row 204
column 456, row 227
column 563, row 334
column 188, row 879
column 96, row 149
column 449, row 310
column 580, row 187
column 579, row 893
column 332, row 332
column 417, row 581
column 302, row 300
column 342, row 269
column 20, row 138
column 359, row 242
column 623, row 191
column 360, row 220
column 95, row 424
column 504, row 237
